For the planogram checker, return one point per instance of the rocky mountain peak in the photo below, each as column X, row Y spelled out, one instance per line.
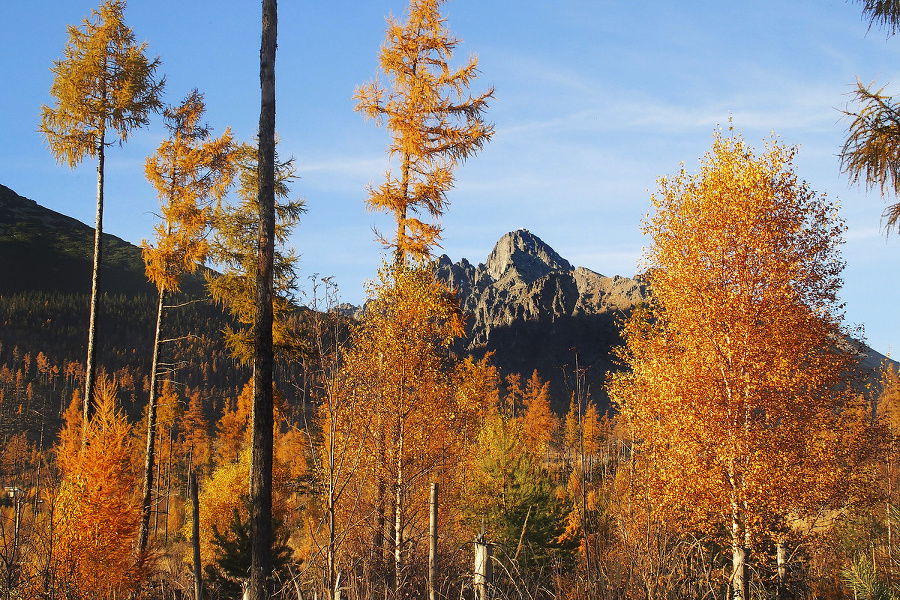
column 524, row 256
column 532, row 309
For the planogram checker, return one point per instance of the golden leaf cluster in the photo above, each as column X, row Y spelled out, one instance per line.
column 191, row 172
column 235, row 224
column 97, row 510
column 435, row 124
column 104, row 82
column 738, row 367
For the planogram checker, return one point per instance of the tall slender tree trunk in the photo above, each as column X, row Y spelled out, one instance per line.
column 195, row 535
column 89, row 371
column 380, row 520
column 398, row 516
column 261, row 534
column 150, row 457
column 400, row 253
column 330, row 508
column 432, row 542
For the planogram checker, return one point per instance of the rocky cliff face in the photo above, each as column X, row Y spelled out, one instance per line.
column 531, row 308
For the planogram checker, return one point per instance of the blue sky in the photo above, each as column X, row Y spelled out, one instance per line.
column 595, row 100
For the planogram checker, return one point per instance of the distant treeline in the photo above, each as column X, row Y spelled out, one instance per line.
column 43, row 341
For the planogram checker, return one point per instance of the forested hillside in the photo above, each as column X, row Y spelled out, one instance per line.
column 44, row 301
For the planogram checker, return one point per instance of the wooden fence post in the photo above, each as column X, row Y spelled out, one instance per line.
column 484, row 568
column 432, row 543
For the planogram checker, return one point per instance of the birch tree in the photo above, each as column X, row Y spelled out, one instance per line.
column 103, row 87
column 737, row 371
column 397, row 379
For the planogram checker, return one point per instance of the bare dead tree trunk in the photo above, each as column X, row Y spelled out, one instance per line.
column 261, row 533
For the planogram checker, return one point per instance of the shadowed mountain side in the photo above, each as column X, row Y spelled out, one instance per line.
column 527, row 304
column 530, row 308
column 43, row 250
column 534, row 311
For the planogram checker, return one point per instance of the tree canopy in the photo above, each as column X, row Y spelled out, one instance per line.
column 737, row 367
column 435, row 124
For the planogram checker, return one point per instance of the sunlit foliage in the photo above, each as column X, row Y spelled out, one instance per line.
column 104, row 82
column 871, row 153
column 738, row 365
column 97, row 511
column 435, row 124
column 397, row 382
column 191, row 172
column 233, row 249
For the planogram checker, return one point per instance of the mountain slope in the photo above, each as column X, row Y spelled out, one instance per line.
column 44, row 250
column 533, row 310
column 45, row 275
column 526, row 303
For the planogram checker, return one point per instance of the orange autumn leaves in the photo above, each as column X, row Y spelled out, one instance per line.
column 96, row 512
column 435, row 124
column 191, row 172
column 737, row 370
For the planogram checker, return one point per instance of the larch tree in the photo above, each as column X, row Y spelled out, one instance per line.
column 871, row 153
column 235, row 286
column 191, row 172
column 402, row 344
column 261, row 530
column 538, row 422
column 97, row 510
column 193, row 436
column 232, row 432
column 885, row 13
column 104, row 86
column 398, row 374
column 435, row 124
column 337, row 449
column 738, row 368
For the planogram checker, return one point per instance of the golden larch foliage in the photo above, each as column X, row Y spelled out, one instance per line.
column 191, row 172
column 97, row 509
column 401, row 423
column 234, row 249
column 193, row 435
column 103, row 82
column 538, row 422
column 434, row 123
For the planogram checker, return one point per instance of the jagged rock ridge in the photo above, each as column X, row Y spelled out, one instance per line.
column 531, row 308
